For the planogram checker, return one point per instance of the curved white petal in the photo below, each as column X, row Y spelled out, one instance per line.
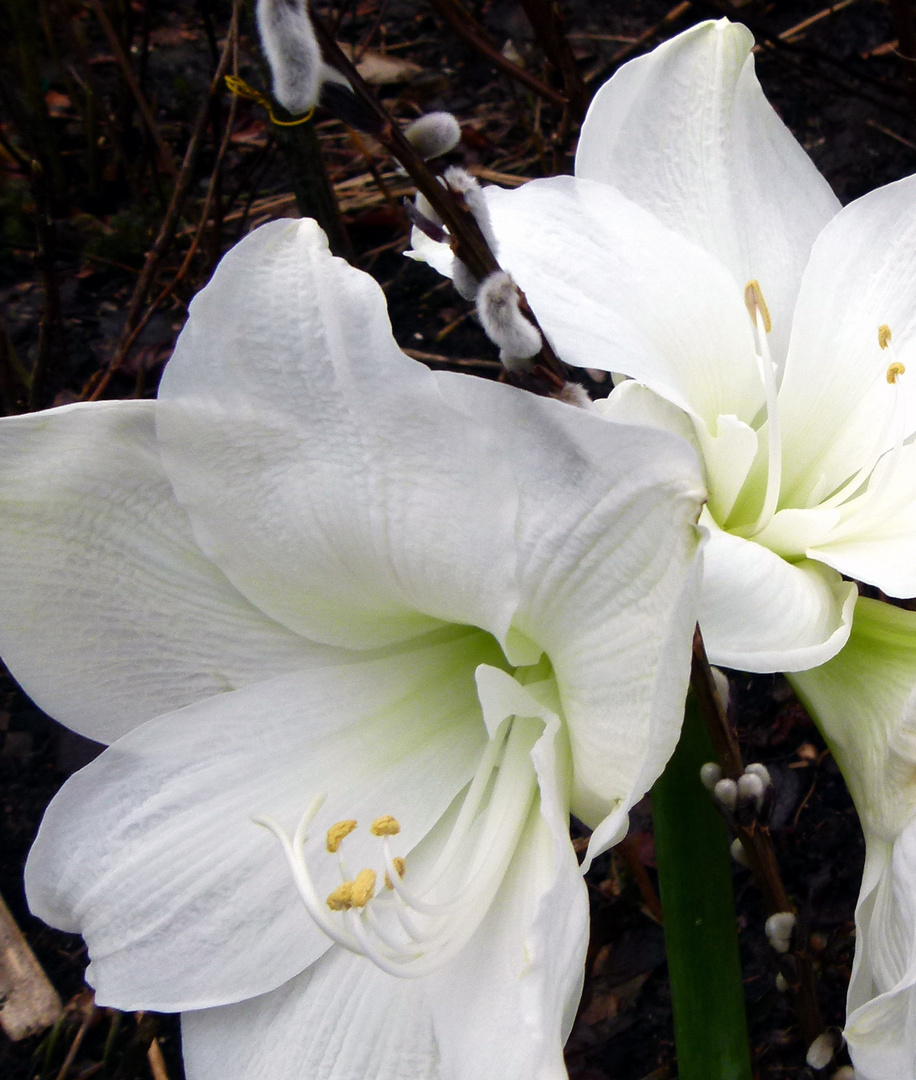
column 341, row 1019
column 505, row 1005
column 435, row 253
column 835, row 400
column 876, row 540
column 111, row 613
column 864, row 701
column 608, row 578
column 320, row 467
column 151, row 853
column 615, row 289
column 881, row 1006
column 761, row 613
column 686, row 132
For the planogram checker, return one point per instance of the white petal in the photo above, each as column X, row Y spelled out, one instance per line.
column 150, row 852
column 864, row 701
column 342, row 1019
column 320, row 467
column 615, row 289
column 111, row 613
column 687, row 133
column 835, row 398
column 436, row 253
column 505, row 1005
column 608, row 578
column 761, row 613
column 876, row 541
column 881, row 1006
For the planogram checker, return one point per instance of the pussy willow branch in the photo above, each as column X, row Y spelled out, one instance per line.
column 468, row 241
column 756, row 840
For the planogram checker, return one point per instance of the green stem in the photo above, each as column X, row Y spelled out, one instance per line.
column 701, row 937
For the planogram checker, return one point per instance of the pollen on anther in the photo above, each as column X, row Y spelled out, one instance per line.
column 336, row 834
column 754, row 302
column 362, row 888
column 894, row 370
column 401, row 868
column 385, row 826
column 341, row 898
column 884, row 335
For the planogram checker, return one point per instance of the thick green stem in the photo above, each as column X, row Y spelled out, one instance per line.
column 701, row 938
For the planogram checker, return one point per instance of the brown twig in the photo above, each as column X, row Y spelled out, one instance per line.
column 756, row 840
column 547, row 24
column 466, row 27
column 165, row 154
column 29, row 1001
column 548, row 373
column 96, row 386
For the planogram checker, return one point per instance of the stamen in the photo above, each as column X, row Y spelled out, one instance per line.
column 336, row 834
column 385, row 826
column 763, row 324
column 755, row 304
column 400, row 868
column 411, row 932
column 894, row 421
column 363, row 888
column 341, row 898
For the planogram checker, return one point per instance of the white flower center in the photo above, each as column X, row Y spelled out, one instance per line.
column 888, row 443
column 412, row 924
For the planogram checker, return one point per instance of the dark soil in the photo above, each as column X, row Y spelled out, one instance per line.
column 100, row 190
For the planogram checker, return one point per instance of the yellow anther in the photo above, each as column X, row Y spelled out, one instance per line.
column 884, row 337
column 342, row 897
column 385, row 826
column 401, row 868
column 754, row 302
column 336, row 834
column 894, row 370
column 362, row 888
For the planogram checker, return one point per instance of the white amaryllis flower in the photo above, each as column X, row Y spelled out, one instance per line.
column 865, row 702
column 315, row 576
column 699, row 252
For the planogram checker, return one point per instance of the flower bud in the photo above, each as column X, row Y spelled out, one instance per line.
column 749, row 798
column 292, row 52
column 739, row 854
column 779, row 928
column 503, row 322
column 710, row 775
column 781, row 985
column 726, row 794
column 433, row 134
column 824, row 1048
column 844, row 1072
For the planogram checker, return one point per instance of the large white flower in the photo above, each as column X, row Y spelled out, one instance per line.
column 316, row 575
column 865, row 702
column 688, row 189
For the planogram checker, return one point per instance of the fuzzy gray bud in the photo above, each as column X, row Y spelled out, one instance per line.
column 433, row 134
column 503, row 322
column 781, row 985
column 726, row 794
column 710, row 775
column 292, row 52
column 844, row 1072
column 460, row 181
column 779, row 928
column 739, row 854
column 760, row 770
column 824, row 1048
